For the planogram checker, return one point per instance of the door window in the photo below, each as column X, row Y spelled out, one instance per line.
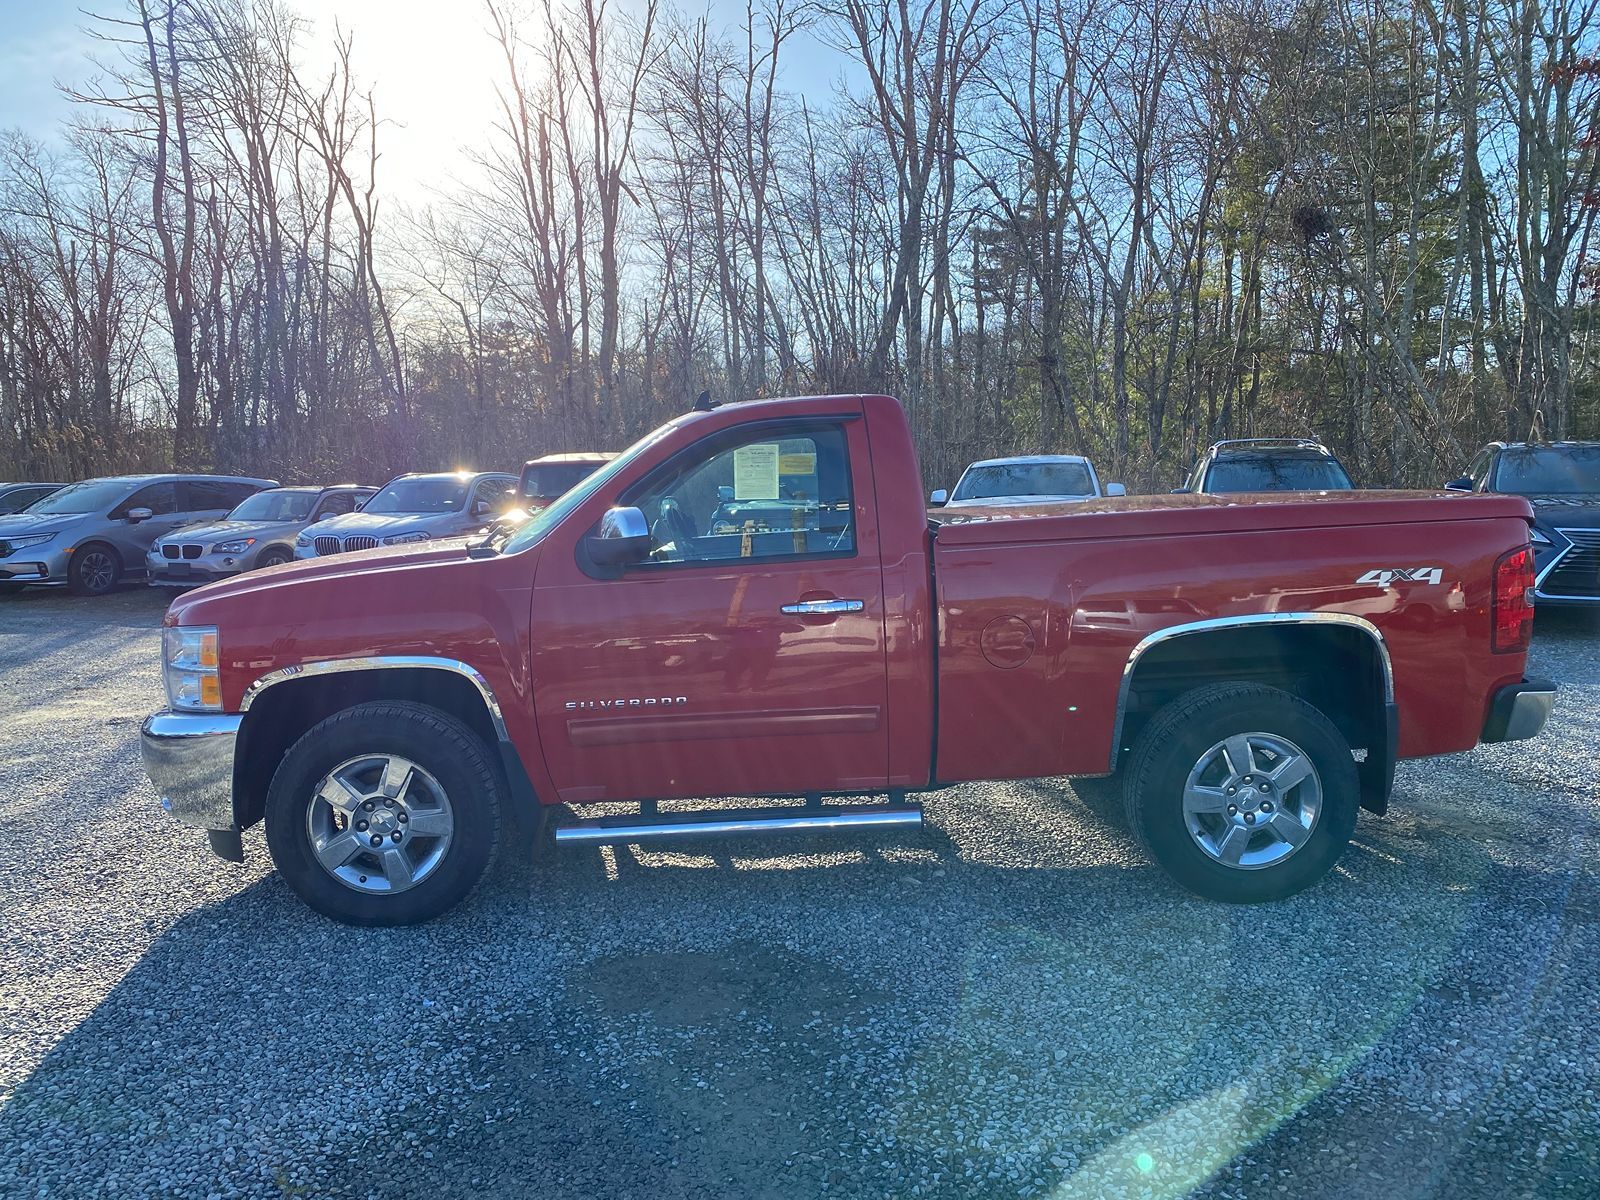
column 336, row 504
column 212, row 495
column 743, row 494
column 1479, row 470
column 160, row 498
column 494, row 493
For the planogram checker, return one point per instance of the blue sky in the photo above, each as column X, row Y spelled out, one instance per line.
column 434, row 74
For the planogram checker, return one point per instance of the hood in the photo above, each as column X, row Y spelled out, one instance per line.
column 24, row 524
column 380, row 524
column 1013, row 501
column 1566, row 512
column 335, row 567
column 222, row 531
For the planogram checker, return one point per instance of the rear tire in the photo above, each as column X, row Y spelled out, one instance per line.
column 1242, row 793
column 384, row 814
column 93, row 570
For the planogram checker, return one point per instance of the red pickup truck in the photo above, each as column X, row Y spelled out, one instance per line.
column 754, row 600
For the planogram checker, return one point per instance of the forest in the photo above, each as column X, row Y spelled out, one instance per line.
column 1123, row 228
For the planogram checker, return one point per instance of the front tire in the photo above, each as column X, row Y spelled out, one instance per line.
column 384, row 814
column 277, row 556
column 1242, row 793
column 93, row 570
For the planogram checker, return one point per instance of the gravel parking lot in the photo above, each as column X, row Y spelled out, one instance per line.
column 1011, row 1003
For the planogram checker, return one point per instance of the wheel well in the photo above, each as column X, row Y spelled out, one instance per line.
column 1338, row 669
column 284, row 711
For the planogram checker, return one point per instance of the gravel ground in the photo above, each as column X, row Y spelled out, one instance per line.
column 1011, row 1003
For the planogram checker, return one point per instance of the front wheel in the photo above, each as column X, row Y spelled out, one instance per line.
column 1242, row 792
column 384, row 814
column 277, row 556
column 93, row 570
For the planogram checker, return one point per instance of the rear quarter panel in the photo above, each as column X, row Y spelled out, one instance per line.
column 1087, row 604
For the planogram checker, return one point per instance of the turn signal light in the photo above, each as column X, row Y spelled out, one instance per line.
column 1512, row 611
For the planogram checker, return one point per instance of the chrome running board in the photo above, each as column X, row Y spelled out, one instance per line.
column 734, row 822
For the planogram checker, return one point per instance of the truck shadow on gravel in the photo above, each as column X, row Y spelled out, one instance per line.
column 964, row 1012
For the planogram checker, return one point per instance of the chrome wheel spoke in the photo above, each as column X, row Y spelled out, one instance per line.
column 1290, row 773
column 397, row 868
column 1200, row 799
column 338, row 794
column 397, row 774
column 1240, row 757
column 1231, row 844
column 339, row 849
column 431, row 823
column 1288, row 829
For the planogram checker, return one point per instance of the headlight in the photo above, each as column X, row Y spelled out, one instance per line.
column 189, row 666
column 399, row 538
column 303, row 542
column 31, row 539
column 1539, row 539
column 238, row 547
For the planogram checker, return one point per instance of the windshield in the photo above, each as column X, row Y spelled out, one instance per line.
column 1547, row 470
column 552, row 479
column 92, row 495
column 1008, row 480
column 420, row 494
column 275, row 506
column 533, row 530
column 1276, row 473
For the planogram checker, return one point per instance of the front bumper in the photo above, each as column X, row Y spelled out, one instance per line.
column 189, row 758
column 35, row 564
column 191, row 572
column 1519, row 710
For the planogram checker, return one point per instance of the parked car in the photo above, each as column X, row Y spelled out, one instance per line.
column 1267, row 465
column 91, row 534
column 414, row 508
column 545, row 480
column 389, row 719
column 14, row 497
column 259, row 533
column 1026, row 479
column 1562, row 482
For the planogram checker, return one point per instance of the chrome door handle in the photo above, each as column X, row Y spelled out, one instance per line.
column 823, row 608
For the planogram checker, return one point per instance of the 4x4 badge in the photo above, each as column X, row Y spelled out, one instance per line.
column 1384, row 576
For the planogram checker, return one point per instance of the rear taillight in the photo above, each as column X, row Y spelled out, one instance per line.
column 1512, row 612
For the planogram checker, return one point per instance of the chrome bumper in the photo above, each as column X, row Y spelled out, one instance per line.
column 189, row 758
column 1519, row 710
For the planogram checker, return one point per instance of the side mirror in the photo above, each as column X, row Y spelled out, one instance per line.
column 1181, row 491
column 1464, row 484
column 481, row 508
column 135, row 515
column 938, row 498
column 623, row 537
column 323, row 515
column 1116, row 489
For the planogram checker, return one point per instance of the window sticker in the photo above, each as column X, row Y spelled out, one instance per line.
column 755, row 472
column 798, row 464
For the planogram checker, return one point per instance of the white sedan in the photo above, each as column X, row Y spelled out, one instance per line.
column 1026, row 479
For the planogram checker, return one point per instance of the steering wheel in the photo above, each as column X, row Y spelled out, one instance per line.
column 673, row 525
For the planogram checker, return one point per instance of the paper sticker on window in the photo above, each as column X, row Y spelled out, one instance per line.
column 755, row 472
column 797, row 464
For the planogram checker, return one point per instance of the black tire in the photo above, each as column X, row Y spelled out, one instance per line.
column 93, row 569
column 1177, row 739
column 274, row 556
column 435, row 741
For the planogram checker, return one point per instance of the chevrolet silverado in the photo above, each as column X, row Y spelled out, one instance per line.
column 753, row 600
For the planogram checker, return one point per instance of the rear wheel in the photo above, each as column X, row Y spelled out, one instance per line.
column 1242, row 792
column 93, row 570
column 384, row 814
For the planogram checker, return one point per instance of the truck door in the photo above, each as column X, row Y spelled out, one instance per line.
column 746, row 655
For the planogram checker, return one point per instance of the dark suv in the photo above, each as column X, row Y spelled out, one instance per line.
column 1562, row 482
column 1267, row 465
